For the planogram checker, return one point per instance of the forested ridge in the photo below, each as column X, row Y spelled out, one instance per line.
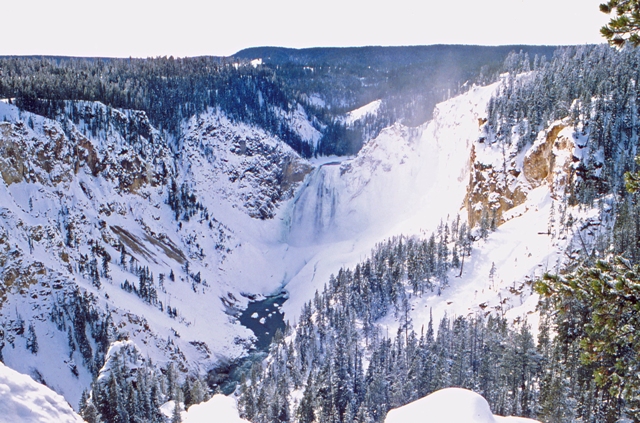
column 169, row 90
column 409, row 80
column 595, row 87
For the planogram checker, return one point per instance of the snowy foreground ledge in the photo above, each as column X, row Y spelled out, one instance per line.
column 219, row 408
column 24, row 400
column 451, row 405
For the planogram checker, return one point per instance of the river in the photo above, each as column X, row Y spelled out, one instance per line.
column 264, row 318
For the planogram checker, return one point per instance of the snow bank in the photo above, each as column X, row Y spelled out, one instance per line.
column 451, row 405
column 24, row 400
column 511, row 419
column 219, row 408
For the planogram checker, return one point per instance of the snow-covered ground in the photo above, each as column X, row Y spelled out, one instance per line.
column 451, row 405
column 298, row 121
column 520, row 250
column 25, row 401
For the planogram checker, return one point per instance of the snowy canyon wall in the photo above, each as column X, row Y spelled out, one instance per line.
column 111, row 231
column 107, row 233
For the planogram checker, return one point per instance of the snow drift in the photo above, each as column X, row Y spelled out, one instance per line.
column 219, row 408
column 24, row 400
column 451, row 405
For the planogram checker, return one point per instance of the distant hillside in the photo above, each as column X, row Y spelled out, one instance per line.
column 391, row 57
column 413, row 79
column 318, row 85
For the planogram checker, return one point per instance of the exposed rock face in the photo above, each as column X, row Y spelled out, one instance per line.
column 293, row 172
column 34, row 157
column 11, row 163
column 495, row 188
column 553, row 159
column 539, row 160
column 49, row 152
column 260, row 171
column 134, row 153
column 492, row 190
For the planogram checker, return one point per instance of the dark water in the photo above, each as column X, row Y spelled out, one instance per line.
column 227, row 376
column 264, row 318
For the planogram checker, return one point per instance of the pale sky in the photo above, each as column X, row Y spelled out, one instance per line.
column 143, row 28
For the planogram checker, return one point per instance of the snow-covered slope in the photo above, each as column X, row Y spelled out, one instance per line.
column 26, row 401
column 451, row 405
column 407, row 181
column 95, row 206
column 300, row 124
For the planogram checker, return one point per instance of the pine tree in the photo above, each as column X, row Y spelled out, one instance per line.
column 197, row 392
column 72, row 344
column 625, row 25
column 492, row 275
column 176, row 417
column 246, row 401
column 597, row 315
column 32, row 340
column 90, row 413
column 105, row 266
column 123, row 255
